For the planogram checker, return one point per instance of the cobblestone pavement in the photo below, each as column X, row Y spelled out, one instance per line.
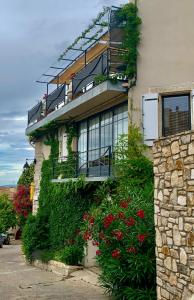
column 20, row 281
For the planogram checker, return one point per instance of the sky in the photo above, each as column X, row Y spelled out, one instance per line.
column 33, row 34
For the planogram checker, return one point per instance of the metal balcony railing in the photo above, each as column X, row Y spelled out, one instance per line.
column 35, row 114
column 108, row 65
column 92, row 163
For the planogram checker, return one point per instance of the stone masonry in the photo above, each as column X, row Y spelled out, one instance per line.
column 42, row 152
column 174, row 216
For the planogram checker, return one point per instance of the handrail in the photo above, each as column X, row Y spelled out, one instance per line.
column 96, row 167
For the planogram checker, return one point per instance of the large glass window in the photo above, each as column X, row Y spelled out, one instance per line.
column 176, row 114
column 97, row 137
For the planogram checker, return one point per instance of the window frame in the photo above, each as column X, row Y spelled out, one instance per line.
column 99, row 115
column 188, row 94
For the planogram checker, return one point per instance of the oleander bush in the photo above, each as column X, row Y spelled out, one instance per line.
column 123, row 225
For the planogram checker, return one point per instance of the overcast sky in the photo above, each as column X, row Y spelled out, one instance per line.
column 32, row 34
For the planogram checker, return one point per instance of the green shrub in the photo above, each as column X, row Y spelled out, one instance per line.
column 35, row 235
column 7, row 214
column 71, row 255
column 123, row 225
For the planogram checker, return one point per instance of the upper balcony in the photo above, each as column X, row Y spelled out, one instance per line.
column 88, row 74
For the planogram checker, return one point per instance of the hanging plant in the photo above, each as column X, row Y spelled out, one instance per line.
column 128, row 17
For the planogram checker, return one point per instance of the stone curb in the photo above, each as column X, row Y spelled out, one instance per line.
column 56, row 267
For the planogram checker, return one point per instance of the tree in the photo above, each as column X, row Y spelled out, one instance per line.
column 7, row 214
column 22, row 203
column 27, row 176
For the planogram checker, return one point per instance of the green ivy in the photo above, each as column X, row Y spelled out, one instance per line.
column 56, row 226
column 128, row 16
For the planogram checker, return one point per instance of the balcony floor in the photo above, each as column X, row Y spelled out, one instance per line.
column 87, row 179
column 90, row 102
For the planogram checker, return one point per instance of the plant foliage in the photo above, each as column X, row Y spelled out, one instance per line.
column 128, row 16
column 27, row 176
column 123, row 225
column 7, row 214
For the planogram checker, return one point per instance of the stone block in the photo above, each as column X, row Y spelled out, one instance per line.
column 173, row 279
column 183, row 256
column 165, row 294
column 175, row 147
column 158, row 238
column 174, row 253
column 191, row 148
column 174, row 179
column 185, row 139
column 166, row 250
column 182, row 200
column 168, row 263
column 179, row 164
column 189, row 160
column 176, row 236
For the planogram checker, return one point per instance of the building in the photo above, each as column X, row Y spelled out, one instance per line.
column 92, row 92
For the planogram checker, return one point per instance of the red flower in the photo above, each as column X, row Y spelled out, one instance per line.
column 116, row 253
column 98, row 252
column 108, row 220
column 132, row 250
column 86, row 235
column 141, row 237
column 124, row 204
column 118, row 234
column 91, row 220
column 95, row 243
column 85, row 217
column 121, row 215
column 141, row 214
column 130, row 221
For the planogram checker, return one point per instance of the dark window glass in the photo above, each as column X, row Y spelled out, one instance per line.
column 176, row 114
column 97, row 137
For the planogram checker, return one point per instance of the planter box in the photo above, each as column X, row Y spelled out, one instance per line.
column 56, row 267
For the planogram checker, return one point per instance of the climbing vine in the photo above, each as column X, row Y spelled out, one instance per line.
column 97, row 20
column 128, row 17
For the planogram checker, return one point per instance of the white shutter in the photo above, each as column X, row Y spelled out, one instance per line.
column 150, row 118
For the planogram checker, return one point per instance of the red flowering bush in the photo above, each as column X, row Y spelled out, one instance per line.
column 22, row 203
column 123, row 229
column 125, row 237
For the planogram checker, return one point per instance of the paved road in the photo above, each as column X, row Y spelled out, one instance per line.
column 19, row 281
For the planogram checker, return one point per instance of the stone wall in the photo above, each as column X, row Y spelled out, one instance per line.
column 42, row 152
column 174, row 216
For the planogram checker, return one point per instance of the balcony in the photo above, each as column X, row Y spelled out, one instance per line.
column 98, row 82
column 94, row 164
column 88, row 74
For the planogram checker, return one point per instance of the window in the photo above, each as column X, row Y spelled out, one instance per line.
column 176, row 114
column 97, row 137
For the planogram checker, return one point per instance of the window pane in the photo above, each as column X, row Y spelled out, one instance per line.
column 176, row 114
column 120, row 122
